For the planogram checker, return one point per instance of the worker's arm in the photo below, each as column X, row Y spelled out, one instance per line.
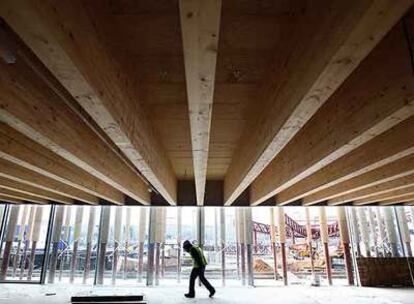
column 196, row 256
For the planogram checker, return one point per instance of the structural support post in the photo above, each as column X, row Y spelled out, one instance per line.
column 76, row 237
column 391, row 231
column 282, row 239
column 179, row 241
column 57, row 232
column 141, row 241
column 309, row 238
column 103, row 242
column 126, row 241
column 20, row 238
column 355, row 229
column 32, row 215
column 223, row 245
column 381, row 230
column 345, row 241
column 66, row 234
column 374, row 236
column 364, row 229
column 35, row 239
column 151, row 247
column 241, row 228
column 91, row 225
column 325, row 241
column 273, row 241
column 405, row 231
column 11, row 229
column 248, row 225
column 117, row 242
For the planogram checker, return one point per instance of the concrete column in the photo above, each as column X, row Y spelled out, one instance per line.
column 179, row 241
column 355, row 229
column 103, row 242
column 223, row 245
column 20, row 237
column 364, row 229
column 126, row 240
column 282, row 239
column 273, row 240
column 345, row 240
column 56, row 234
column 373, row 231
column 382, row 235
column 66, row 235
column 151, row 246
column 323, row 223
column 11, row 230
column 248, row 237
column 391, row 231
column 35, row 239
column 76, row 237
column 89, row 240
column 141, row 240
column 30, row 224
column 117, row 242
column 309, row 238
column 200, row 226
column 236, row 218
column 241, row 228
column 405, row 231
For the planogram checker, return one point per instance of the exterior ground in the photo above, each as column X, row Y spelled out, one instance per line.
column 61, row 293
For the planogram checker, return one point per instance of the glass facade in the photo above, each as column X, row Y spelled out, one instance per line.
column 262, row 246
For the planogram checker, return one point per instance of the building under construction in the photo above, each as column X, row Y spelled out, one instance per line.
column 276, row 135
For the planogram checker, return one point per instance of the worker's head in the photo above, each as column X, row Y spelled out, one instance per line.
column 187, row 245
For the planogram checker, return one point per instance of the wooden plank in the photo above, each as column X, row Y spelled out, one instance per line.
column 98, row 84
column 383, row 149
column 392, row 171
column 21, row 150
column 362, row 108
column 383, row 188
column 392, row 195
column 11, row 200
column 28, row 177
column 342, row 34
column 32, row 101
column 30, row 190
column 22, row 196
column 200, row 22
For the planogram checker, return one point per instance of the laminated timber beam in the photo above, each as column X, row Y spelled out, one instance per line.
column 383, row 188
column 396, row 195
column 25, row 176
column 390, row 172
column 11, row 200
column 33, row 102
column 75, row 53
column 394, row 144
column 200, row 23
column 342, row 34
column 362, row 108
column 22, row 196
column 21, row 150
column 30, row 190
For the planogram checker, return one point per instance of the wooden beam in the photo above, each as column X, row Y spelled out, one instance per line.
column 32, row 101
column 28, row 177
column 21, row 150
column 22, row 196
column 31, row 190
column 396, row 194
column 362, row 108
column 383, row 149
column 342, row 34
column 383, row 188
column 390, row 172
column 84, row 65
column 200, row 23
column 11, row 200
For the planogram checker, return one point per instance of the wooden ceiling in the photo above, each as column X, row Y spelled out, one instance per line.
column 278, row 102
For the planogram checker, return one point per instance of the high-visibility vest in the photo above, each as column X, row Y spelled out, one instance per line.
column 201, row 255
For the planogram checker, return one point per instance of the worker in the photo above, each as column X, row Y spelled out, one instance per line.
column 199, row 266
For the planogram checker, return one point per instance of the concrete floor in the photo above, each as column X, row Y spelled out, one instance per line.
column 56, row 294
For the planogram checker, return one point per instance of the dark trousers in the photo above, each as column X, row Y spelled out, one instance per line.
column 199, row 272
